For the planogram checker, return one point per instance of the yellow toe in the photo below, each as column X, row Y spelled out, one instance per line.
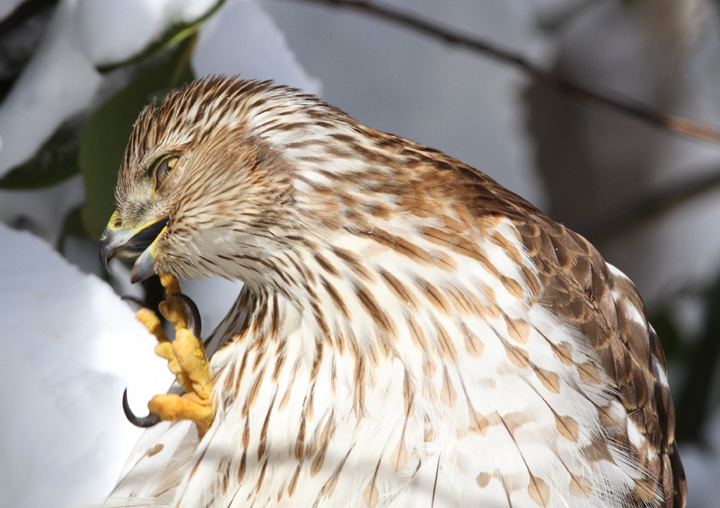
column 184, row 407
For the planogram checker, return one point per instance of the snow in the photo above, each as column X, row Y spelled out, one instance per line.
column 111, row 32
column 57, row 83
column 243, row 39
column 70, row 347
column 42, row 211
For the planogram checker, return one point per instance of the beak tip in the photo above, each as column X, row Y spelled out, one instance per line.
column 143, row 268
column 105, row 251
column 104, row 263
column 135, row 278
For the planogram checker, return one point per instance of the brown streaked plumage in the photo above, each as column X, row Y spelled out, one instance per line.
column 410, row 333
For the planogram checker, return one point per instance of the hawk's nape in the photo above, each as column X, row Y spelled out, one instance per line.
column 410, row 333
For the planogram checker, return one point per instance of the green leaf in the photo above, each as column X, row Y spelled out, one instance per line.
column 170, row 37
column 106, row 133
column 53, row 163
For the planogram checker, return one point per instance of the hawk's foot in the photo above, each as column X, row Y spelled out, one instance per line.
column 186, row 359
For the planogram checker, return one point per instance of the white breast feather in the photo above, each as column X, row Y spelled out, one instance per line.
column 507, row 450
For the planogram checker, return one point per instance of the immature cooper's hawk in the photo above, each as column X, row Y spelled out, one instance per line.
column 410, row 333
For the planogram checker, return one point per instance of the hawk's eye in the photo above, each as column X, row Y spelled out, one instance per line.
column 163, row 169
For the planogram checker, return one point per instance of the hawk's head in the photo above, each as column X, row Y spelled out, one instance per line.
column 202, row 189
column 247, row 181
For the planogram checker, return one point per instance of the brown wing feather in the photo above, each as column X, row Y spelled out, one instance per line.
column 577, row 285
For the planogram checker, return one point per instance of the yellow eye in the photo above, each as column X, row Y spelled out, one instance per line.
column 163, row 169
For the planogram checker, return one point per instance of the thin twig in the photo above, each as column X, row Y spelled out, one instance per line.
column 625, row 105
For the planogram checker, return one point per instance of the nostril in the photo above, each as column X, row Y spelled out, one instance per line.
column 118, row 222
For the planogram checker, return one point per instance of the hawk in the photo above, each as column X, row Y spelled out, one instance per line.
column 410, row 333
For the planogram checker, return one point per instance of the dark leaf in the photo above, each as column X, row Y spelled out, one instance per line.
column 54, row 162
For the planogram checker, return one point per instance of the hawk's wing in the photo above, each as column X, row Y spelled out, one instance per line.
column 577, row 284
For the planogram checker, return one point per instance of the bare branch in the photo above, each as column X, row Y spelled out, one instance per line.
column 625, row 105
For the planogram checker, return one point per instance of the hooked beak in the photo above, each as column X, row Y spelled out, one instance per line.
column 132, row 242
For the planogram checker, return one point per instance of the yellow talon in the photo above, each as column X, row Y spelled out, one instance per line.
column 186, row 359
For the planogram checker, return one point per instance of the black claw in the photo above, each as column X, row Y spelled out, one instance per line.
column 144, row 422
column 194, row 315
column 134, row 300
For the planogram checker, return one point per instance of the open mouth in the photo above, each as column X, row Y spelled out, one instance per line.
column 133, row 242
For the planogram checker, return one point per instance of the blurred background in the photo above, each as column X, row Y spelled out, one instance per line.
column 74, row 75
